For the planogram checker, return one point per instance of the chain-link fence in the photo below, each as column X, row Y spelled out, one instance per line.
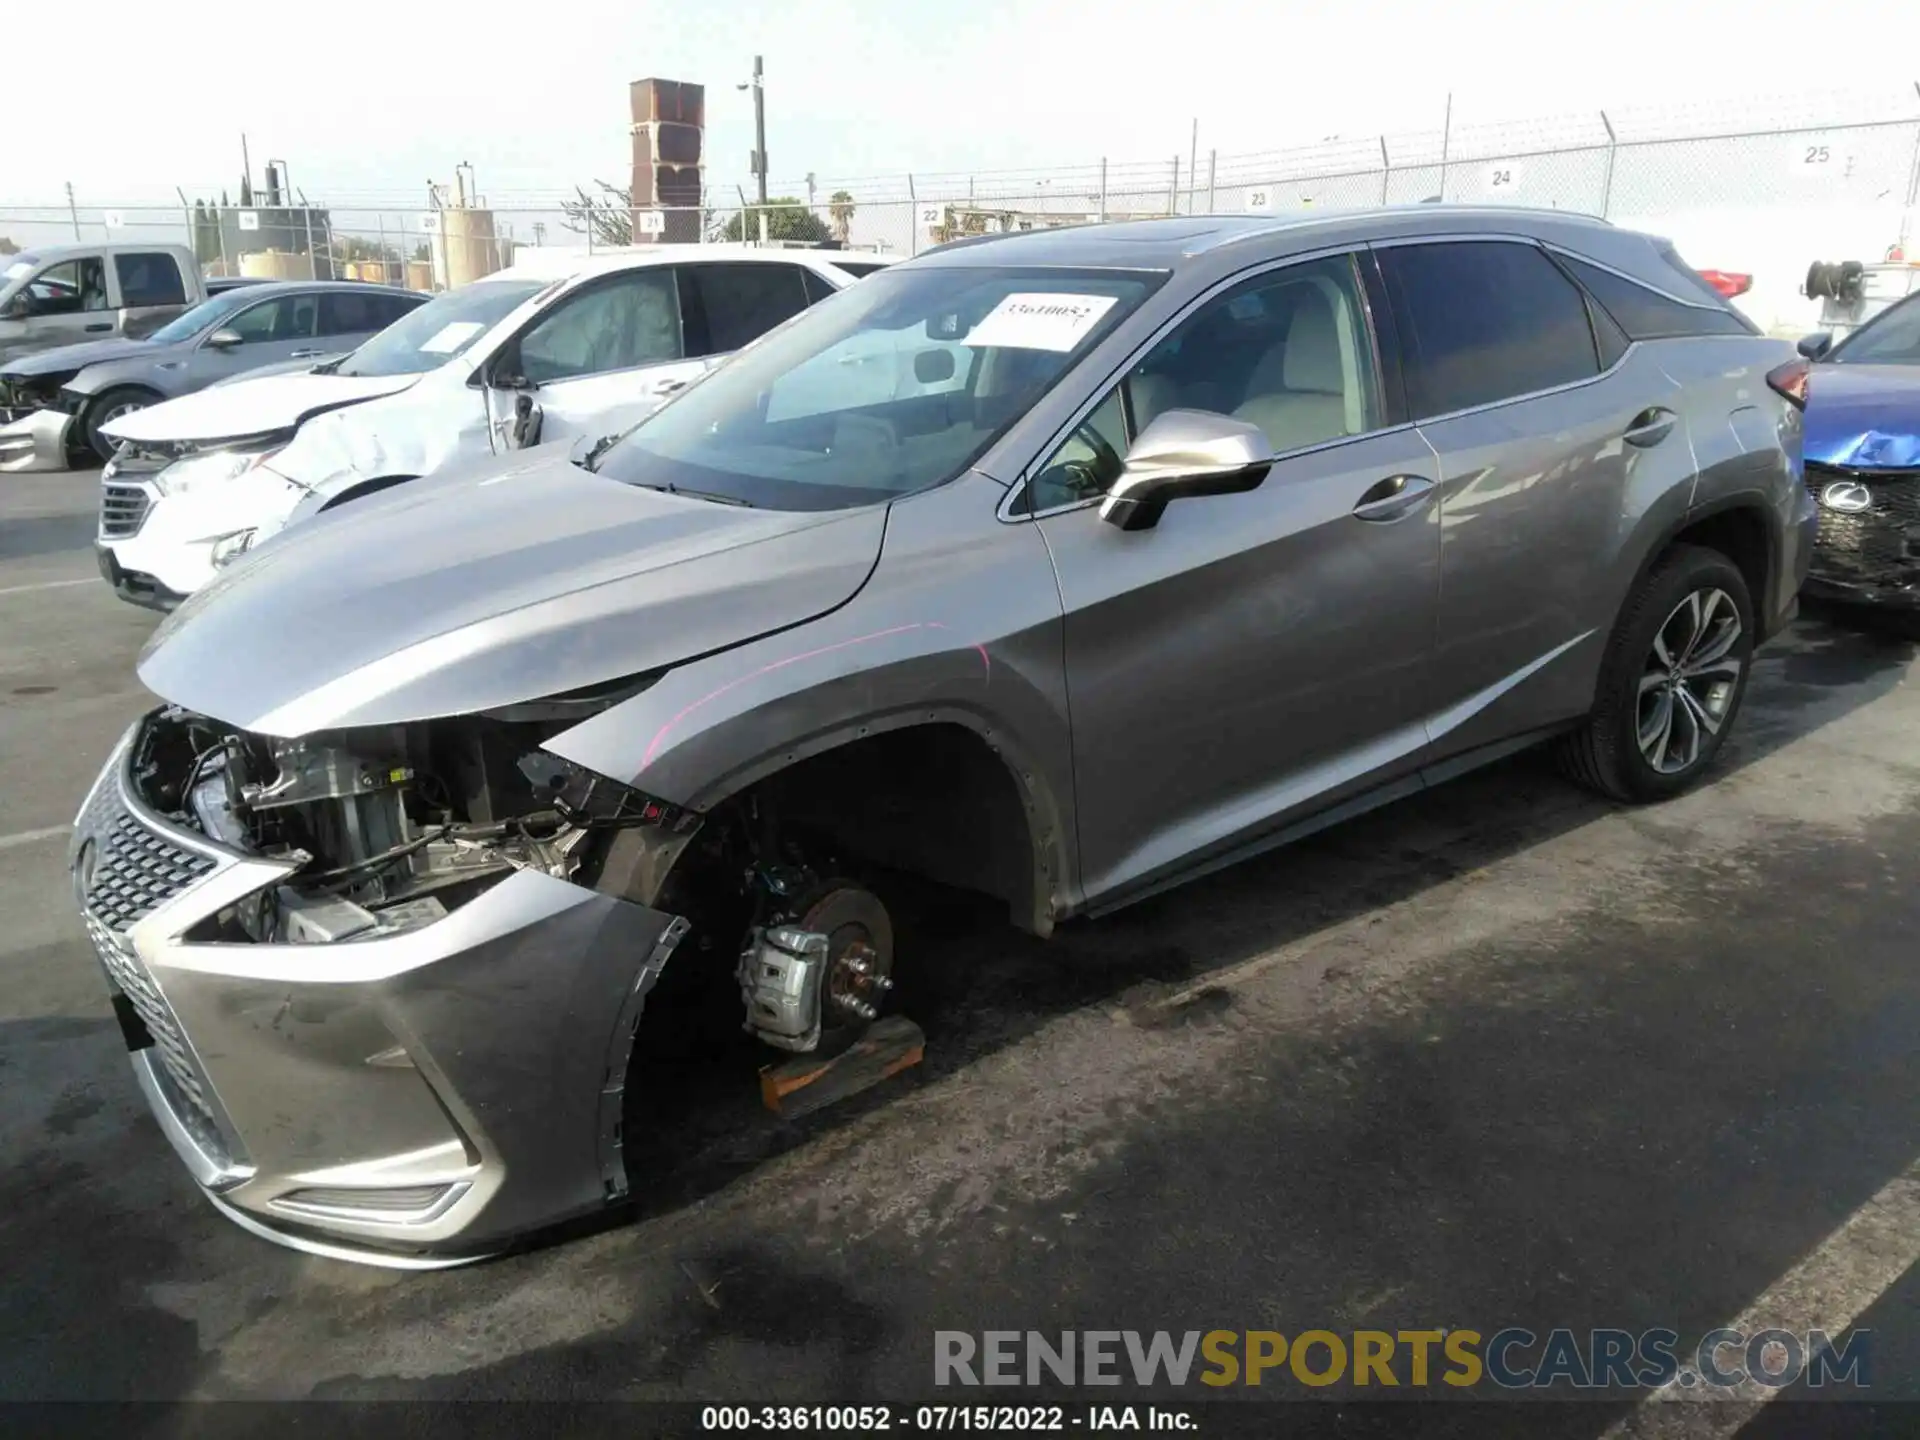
column 1591, row 165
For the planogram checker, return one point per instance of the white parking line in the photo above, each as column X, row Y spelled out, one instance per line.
column 48, row 585
column 32, row 837
column 1827, row 1291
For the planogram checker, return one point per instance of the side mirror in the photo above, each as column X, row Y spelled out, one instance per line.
column 1184, row 454
column 1816, row 344
column 225, row 339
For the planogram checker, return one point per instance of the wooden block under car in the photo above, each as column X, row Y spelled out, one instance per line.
column 807, row 1083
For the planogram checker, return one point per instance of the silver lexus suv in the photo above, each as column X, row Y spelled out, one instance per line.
column 1059, row 566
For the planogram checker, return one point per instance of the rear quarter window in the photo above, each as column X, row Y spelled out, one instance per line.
column 1645, row 314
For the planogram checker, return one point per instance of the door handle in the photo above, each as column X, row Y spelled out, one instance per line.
column 1650, row 426
column 1393, row 498
column 99, row 329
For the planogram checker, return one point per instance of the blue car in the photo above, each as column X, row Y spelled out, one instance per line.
column 1862, row 451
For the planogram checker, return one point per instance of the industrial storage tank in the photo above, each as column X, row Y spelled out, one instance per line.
column 276, row 265
column 465, row 248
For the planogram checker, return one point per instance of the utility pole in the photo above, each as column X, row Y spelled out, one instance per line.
column 72, row 212
column 759, row 88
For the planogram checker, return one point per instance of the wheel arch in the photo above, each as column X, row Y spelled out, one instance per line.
column 1741, row 526
column 938, row 791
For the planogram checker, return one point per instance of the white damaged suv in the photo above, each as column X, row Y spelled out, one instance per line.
column 556, row 347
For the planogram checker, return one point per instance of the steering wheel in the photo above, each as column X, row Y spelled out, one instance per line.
column 1106, row 460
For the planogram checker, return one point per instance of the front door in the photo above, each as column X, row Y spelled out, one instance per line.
column 283, row 328
column 608, row 349
column 65, row 304
column 1256, row 657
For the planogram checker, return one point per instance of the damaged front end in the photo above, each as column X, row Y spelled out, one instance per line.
column 36, row 416
column 380, row 985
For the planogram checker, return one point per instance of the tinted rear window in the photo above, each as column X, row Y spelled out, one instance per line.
column 1646, row 314
column 1485, row 321
column 740, row 303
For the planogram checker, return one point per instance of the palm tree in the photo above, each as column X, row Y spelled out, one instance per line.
column 840, row 207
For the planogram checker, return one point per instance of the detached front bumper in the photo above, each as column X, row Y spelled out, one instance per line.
column 412, row 1100
column 33, row 440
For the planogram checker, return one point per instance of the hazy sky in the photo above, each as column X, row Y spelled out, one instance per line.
column 371, row 103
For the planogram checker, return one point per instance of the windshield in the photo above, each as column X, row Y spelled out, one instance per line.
column 203, row 316
column 1890, row 338
column 439, row 330
column 897, row 384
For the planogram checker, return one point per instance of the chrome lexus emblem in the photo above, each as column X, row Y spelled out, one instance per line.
column 1849, row 497
column 84, row 865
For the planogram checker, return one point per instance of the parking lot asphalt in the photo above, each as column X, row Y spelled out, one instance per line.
column 1498, row 1055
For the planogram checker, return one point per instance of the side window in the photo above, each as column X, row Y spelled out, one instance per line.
column 817, row 287
column 149, row 280
column 305, row 318
column 1086, row 463
column 344, row 313
column 389, row 308
column 628, row 321
column 741, row 303
column 1486, row 321
column 72, row 287
column 1646, row 314
column 269, row 320
column 1288, row 351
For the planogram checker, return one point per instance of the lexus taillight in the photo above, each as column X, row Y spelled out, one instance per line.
column 1790, row 380
column 1727, row 282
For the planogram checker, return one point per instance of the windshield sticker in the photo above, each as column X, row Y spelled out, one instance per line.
column 1040, row 321
column 450, row 338
column 19, row 269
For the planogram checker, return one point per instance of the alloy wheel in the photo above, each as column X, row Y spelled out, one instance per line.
column 1689, row 681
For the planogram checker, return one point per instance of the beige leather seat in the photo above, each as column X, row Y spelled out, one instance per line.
column 1297, row 393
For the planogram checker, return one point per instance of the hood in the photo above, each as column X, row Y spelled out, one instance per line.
column 520, row 578
column 1864, row 417
column 257, row 405
column 76, row 357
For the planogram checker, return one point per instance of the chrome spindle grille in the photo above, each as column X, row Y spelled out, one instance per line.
column 130, row 977
column 137, row 871
column 1880, row 543
column 123, row 510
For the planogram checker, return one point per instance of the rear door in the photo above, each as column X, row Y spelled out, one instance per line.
column 1550, row 436
column 152, row 290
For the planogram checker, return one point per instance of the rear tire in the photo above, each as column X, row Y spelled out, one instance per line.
column 107, row 407
column 1671, row 681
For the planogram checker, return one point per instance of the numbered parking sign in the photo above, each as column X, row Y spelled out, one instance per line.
column 430, row 222
column 931, row 215
column 249, row 219
column 1816, row 160
column 1502, row 178
column 1259, row 200
column 652, row 222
